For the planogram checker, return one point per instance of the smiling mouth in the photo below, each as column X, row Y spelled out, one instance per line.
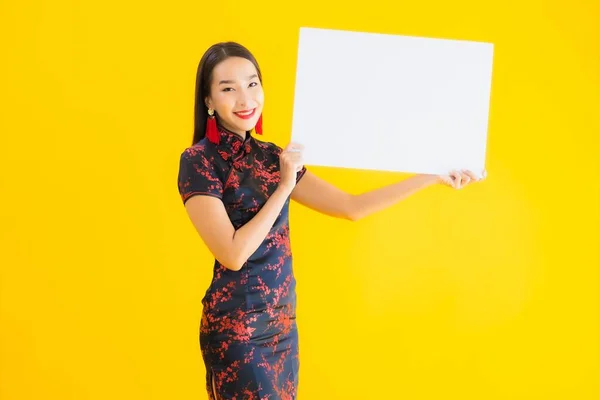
column 245, row 114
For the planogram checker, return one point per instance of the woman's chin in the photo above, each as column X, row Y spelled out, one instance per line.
column 245, row 126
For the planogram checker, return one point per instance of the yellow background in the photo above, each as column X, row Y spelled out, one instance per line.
column 490, row 292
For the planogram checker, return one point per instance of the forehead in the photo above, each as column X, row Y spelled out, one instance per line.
column 235, row 68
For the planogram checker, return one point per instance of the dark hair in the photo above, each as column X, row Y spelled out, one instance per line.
column 214, row 55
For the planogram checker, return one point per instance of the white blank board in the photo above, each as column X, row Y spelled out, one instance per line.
column 391, row 103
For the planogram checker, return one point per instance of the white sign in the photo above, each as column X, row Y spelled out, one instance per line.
column 392, row 103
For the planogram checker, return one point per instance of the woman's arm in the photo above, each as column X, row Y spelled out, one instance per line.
column 230, row 247
column 319, row 195
column 323, row 197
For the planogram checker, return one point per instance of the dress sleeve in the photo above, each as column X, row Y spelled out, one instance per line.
column 197, row 175
column 300, row 174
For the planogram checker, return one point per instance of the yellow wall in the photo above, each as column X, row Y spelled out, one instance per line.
column 491, row 292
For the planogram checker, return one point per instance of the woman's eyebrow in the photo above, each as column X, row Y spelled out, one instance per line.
column 229, row 81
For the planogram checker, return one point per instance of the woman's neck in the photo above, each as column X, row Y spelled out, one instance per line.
column 228, row 130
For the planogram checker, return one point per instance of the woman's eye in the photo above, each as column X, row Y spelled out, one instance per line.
column 253, row 84
column 227, row 89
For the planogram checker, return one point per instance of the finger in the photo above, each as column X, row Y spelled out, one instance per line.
column 294, row 147
column 287, row 148
column 296, row 163
column 455, row 179
column 447, row 179
column 471, row 175
column 465, row 178
column 295, row 157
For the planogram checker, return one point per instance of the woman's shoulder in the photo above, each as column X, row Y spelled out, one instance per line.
column 268, row 147
column 200, row 149
column 202, row 154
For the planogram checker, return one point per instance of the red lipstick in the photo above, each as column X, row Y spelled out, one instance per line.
column 245, row 114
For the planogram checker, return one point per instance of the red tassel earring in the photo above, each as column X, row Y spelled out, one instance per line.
column 212, row 133
column 258, row 127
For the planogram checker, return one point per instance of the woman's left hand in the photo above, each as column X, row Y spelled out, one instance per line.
column 459, row 179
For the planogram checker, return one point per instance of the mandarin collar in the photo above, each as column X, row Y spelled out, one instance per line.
column 234, row 141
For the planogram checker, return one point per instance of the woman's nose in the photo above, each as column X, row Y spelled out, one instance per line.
column 243, row 99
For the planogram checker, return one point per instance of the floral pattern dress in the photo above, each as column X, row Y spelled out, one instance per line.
column 248, row 334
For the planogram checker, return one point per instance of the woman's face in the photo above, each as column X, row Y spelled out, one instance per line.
column 236, row 94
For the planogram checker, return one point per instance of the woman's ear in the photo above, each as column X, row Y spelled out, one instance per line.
column 208, row 102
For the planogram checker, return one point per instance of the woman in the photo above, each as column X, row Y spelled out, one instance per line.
column 236, row 190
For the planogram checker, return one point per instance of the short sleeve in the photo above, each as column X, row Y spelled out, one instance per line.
column 197, row 175
column 300, row 174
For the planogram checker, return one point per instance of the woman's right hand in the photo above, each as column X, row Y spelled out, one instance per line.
column 459, row 179
column 290, row 163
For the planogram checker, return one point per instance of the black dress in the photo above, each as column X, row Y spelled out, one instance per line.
column 248, row 333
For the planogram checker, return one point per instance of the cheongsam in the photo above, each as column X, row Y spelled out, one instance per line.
column 248, row 334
